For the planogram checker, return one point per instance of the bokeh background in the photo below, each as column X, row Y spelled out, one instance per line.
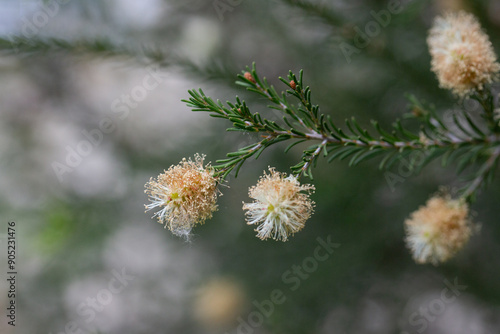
column 81, row 230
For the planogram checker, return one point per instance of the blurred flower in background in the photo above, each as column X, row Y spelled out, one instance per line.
column 218, row 303
column 436, row 231
column 462, row 55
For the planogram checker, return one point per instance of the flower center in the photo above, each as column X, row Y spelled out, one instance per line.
column 173, row 197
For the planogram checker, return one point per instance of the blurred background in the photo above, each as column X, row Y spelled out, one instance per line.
column 82, row 129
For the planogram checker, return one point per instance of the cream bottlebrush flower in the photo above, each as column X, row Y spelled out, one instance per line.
column 185, row 195
column 438, row 230
column 280, row 207
column 462, row 55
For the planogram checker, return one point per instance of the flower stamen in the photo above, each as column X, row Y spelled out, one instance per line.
column 186, row 195
column 280, row 206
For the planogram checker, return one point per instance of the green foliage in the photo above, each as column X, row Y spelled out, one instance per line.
column 58, row 229
column 461, row 140
column 105, row 47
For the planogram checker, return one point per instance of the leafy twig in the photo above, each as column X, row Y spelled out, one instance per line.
column 464, row 143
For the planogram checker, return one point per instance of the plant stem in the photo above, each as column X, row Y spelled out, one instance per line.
column 385, row 144
column 485, row 98
column 283, row 107
column 312, row 158
column 485, row 169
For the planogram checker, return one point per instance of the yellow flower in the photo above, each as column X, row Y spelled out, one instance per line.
column 462, row 55
column 438, row 230
column 280, row 207
column 219, row 302
column 185, row 194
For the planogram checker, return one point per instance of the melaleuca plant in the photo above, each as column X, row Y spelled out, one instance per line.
column 464, row 62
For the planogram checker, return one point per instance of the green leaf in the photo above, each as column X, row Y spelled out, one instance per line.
column 293, row 144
